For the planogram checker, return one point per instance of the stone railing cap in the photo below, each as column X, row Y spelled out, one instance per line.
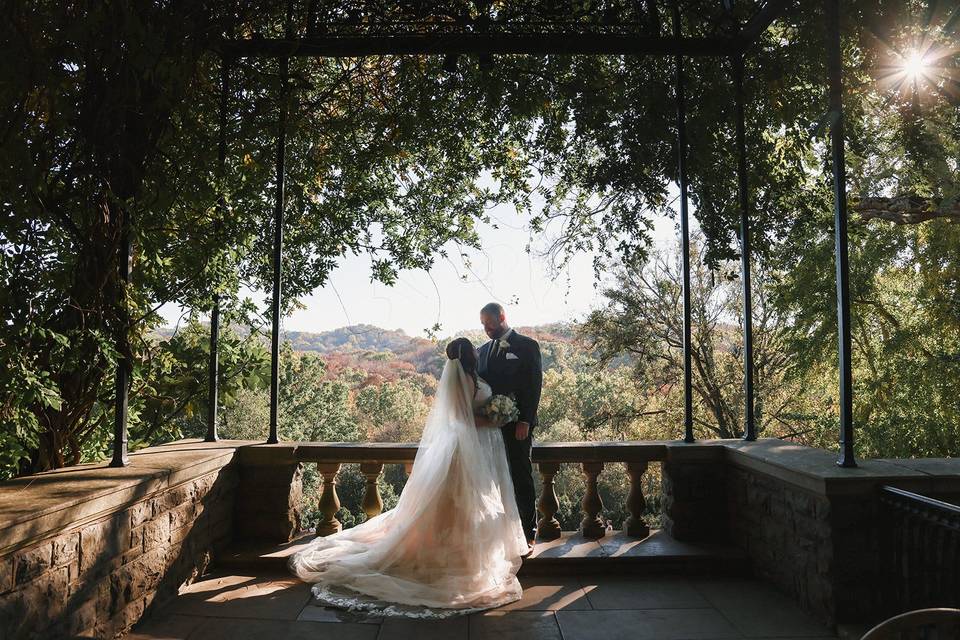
column 34, row 506
column 817, row 469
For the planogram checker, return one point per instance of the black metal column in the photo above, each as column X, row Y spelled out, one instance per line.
column 214, row 367
column 749, row 426
column 214, row 370
column 120, row 458
column 278, row 255
column 835, row 70
column 685, row 233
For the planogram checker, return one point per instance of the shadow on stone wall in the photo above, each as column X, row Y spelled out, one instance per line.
column 98, row 579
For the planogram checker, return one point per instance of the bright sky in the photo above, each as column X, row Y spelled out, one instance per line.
column 452, row 295
column 503, row 272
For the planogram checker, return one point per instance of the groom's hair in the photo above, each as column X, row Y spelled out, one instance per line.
column 494, row 309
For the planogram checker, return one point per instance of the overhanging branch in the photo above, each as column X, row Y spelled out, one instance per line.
column 905, row 210
column 762, row 20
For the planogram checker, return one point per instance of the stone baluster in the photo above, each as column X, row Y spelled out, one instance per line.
column 592, row 526
column 634, row 526
column 372, row 502
column 548, row 528
column 329, row 502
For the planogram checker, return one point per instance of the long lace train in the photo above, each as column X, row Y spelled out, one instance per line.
column 453, row 543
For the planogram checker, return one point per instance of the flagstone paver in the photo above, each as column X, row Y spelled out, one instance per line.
column 571, row 607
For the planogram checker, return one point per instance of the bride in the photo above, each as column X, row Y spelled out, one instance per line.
column 454, row 541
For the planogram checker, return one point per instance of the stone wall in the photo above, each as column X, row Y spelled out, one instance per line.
column 694, row 493
column 271, row 483
column 811, row 528
column 816, row 530
column 98, row 574
column 823, row 549
column 787, row 535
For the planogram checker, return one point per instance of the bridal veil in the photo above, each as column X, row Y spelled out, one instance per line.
column 452, row 544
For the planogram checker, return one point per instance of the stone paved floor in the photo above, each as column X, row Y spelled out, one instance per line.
column 574, row 607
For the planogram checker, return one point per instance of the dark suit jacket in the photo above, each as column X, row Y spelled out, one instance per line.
column 522, row 377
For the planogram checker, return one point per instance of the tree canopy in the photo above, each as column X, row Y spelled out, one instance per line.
column 114, row 125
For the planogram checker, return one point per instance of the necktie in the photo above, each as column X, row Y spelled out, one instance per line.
column 496, row 347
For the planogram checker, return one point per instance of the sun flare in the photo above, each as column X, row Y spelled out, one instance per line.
column 914, row 64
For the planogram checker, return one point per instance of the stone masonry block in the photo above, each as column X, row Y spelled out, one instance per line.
column 177, row 536
column 156, row 533
column 82, row 617
column 137, row 545
column 141, row 512
column 137, row 537
column 73, row 570
column 30, row 563
column 6, row 574
column 173, row 498
column 134, row 580
column 121, row 620
column 104, row 541
column 66, row 549
column 37, row 604
column 184, row 514
column 202, row 486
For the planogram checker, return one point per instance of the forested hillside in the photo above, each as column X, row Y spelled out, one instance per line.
column 359, row 337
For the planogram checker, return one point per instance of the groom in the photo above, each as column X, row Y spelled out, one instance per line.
column 510, row 363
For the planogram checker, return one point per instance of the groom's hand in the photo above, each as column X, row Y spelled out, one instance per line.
column 523, row 430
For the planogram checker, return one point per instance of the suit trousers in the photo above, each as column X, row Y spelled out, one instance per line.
column 521, row 471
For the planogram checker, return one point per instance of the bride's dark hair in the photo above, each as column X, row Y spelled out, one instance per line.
column 462, row 349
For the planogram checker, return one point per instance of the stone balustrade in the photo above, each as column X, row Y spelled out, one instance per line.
column 329, row 457
column 590, row 456
column 88, row 550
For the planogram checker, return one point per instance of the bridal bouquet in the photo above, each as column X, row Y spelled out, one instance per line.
column 501, row 409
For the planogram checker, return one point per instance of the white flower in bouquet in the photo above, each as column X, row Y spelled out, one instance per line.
column 501, row 409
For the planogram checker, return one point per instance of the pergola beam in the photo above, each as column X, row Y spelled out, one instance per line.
column 474, row 43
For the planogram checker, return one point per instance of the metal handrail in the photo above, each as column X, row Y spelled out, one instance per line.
column 920, row 551
column 944, row 513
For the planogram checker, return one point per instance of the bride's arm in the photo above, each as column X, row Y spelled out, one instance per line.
column 481, row 420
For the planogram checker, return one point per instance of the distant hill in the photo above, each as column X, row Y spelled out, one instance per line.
column 383, row 352
column 358, row 337
column 368, row 337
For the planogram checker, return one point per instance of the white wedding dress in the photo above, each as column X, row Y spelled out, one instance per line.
column 453, row 543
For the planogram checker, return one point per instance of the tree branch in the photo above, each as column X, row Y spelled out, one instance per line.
column 906, row 209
